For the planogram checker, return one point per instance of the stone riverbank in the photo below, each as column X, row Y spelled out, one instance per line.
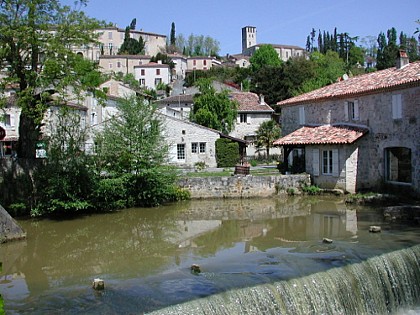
column 243, row 186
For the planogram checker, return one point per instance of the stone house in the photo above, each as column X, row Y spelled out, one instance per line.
column 358, row 134
column 250, row 45
column 180, row 68
column 201, row 63
column 121, row 63
column 189, row 143
column 111, row 38
column 9, row 122
column 152, row 74
column 252, row 111
column 178, row 106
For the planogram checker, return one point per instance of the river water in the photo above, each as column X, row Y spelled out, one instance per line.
column 144, row 255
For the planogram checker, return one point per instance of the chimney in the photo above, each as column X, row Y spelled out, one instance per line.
column 262, row 99
column 402, row 59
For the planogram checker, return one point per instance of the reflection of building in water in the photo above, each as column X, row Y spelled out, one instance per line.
column 188, row 230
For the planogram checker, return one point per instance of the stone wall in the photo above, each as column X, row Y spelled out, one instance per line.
column 240, row 186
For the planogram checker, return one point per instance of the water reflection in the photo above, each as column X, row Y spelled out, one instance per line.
column 147, row 252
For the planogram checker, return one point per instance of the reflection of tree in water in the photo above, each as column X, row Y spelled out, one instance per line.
column 123, row 243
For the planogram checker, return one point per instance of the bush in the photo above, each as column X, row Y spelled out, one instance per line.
column 311, row 190
column 227, row 153
column 112, row 193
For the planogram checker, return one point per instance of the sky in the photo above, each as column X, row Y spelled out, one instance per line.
column 277, row 21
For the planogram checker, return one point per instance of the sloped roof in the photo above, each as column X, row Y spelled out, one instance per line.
column 325, row 134
column 153, row 65
column 250, row 102
column 182, row 98
column 391, row 78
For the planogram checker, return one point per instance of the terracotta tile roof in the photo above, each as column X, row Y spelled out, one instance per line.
column 363, row 84
column 325, row 134
column 250, row 102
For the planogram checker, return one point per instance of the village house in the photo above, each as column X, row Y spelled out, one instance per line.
column 152, row 75
column 111, row 38
column 121, row 63
column 250, row 45
column 178, row 106
column 252, row 112
column 361, row 133
column 10, row 114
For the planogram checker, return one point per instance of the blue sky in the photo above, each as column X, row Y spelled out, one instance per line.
column 277, row 21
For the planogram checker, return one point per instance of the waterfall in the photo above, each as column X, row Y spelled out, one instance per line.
column 380, row 285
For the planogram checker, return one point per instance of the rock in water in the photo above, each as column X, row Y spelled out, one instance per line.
column 9, row 228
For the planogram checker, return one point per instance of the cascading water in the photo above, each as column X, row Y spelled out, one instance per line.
column 380, row 285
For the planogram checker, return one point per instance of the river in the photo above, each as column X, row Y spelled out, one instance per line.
column 144, row 255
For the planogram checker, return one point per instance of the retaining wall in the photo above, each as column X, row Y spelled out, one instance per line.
column 240, row 186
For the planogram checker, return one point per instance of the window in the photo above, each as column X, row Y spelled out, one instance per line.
column 142, row 82
column 180, row 149
column 396, row 106
column 301, row 115
column 327, row 162
column 194, row 147
column 202, row 147
column 205, row 62
column 158, row 81
column 351, row 110
column 243, row 118
column 109, row 35
column 93, row 119
column 142, row 72
column 398, row 164
column 194, row 62
column 110, row 65
column 118, row 64
column 9, row 121
column 157, row 71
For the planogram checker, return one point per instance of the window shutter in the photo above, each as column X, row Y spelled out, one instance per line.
column 12, row 120
column 346, row 111
column 315, row 162
column 335, row 162
column 301, row 115
column 356, row 110
column 396, row 106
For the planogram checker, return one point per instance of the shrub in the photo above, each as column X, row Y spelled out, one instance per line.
column 312, row 190
column 227, row 153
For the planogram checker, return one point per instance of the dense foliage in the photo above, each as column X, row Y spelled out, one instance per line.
column 197, row 45
column 227, row 153
column 125, row 171
column 213, row 109
column 265, row 56
column 131, row 46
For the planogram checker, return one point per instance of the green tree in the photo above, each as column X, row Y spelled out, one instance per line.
column 212, row 109
column 266, row 55
column 35, row 44
column 131, row 46
column 267, row 132
column 132, row 140
column 173, row 36
column 65, row 181
column 198, row 45
column 131, row 151
column 387, row 49
column 328, row 68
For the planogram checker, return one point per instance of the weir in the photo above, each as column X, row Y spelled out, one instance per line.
column 379, row 285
